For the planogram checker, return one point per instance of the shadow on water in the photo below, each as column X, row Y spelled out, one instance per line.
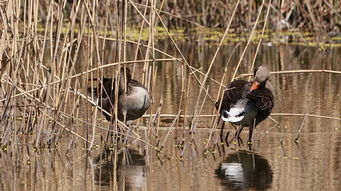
column 131, row 170
column 245, row 171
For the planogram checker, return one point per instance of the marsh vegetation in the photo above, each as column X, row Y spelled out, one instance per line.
column 53, row 135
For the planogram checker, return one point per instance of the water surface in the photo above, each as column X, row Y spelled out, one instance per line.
column 199, row 161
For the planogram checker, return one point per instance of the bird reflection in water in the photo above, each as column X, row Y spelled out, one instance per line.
column 245, row 171
column 131, row 170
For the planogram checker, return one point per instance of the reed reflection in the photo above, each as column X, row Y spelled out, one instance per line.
column 131, row 170
column 245, row 171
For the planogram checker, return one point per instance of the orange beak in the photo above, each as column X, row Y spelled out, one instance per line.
column 255, row 85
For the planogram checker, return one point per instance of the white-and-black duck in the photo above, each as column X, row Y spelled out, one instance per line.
column 246, row 104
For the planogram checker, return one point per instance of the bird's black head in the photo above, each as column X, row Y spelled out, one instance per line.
column 125, row 73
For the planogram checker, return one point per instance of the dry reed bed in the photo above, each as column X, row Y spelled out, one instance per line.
column 43, row 84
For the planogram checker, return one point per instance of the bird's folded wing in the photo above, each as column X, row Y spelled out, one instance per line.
column 263, row 98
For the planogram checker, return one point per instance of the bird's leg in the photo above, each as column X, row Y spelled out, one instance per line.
column 222, row 132
column 250, row 148
column 128, row 132
column 218, row 120
column 235, row 135
column 226, row 138
column 251, row 132
column 234, row 126
column 238, row 135
column 221, row 129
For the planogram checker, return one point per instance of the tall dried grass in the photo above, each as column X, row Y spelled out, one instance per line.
column 50, row 49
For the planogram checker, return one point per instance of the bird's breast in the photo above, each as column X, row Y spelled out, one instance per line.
column 136, row 100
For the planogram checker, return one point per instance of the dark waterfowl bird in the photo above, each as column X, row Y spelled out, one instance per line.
column 133, row 97
column 246, row 104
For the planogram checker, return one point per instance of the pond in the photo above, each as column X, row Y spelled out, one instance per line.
column 197, row 160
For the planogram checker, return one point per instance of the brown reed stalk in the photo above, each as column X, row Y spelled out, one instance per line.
column 294, row 71
column 211, row 64
column 179, row 51
column 92, row 70
column 182, row 94
column 168, row 13
column 164, row 115
column 44, row 111
column 200, row 110
column 153, row 85
column 215, row 118
column 186, row 99
column 261, row 37
column 41, row 68
column 170, row 130
column 249, row 41
column 220, row 92
column 156, row 119
column 140, row 33
column 137, row 136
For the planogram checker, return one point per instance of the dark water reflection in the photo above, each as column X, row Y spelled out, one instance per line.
column 245, row 171
column 130, row 170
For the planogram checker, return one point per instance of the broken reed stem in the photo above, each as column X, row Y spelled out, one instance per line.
column 303, row 120
column 170, row 129
column 67, row 129
column 138, row 43
column 183, row 75
column 186, row 99
column 220, row 95
column 153, row 69
column 210, row 66
column 170, row 14
column 143, row 16
column 194, row 123
column 92, row 70
column 58, row 42
column 137, row 137
column 94, row 121
column 102, row 110
column 294, row 71
column 211, row 79
column 43, row 111
column 261, row 38
column 179, row 51
column 153, row 83
column 259, row 43
column 192, row 68
column 272, row 114
column 156, row 119
column 248, row 42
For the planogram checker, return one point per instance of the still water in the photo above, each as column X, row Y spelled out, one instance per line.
column 199, row 161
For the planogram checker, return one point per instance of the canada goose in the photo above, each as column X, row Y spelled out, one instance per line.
column 247, row 103
column 133, row 97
